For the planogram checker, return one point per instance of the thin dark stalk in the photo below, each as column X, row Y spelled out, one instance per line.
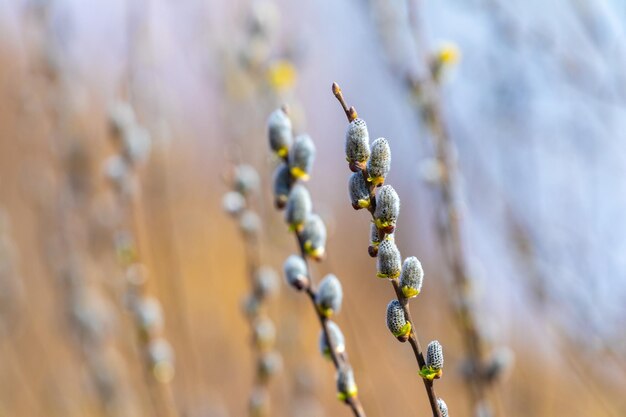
column 161, row 393
column 339, row 361
column 413, row 338
column 252, row 253
column 253, row 262
column 415, row 345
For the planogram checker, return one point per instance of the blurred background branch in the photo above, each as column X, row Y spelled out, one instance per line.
column 535, row 109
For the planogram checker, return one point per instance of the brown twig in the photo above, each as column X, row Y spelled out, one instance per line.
column 351, row 113
column 415, row 345
column 339, row 360
column 160, row 391
column 133, row 223
column 413, row 338
column 252, row 250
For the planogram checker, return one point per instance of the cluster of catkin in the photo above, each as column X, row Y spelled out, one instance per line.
column 370, row 164
column 133, row 145
column 263, row 285
column 297, row 155
column 480, row 369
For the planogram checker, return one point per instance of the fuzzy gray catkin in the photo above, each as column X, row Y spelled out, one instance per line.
column 296, row 273
column 388, row 261
column 161, row 357
column 233, row 202
column 379, row 164
column 499, row 363
column 443, row 407
column 149, row 316
column 374, row 241
column 121, row 117
column 357, row 145
column 282, row 185
column 359, row 191
column 411, row 277
column 159, row 350
column 251, row 306
column 246, row 179
column 136, row 277
column 329, row 296
column 346, row 385
column 434, row 355
column 259, row 402
column 265, row 282
column 136, row 144
column 336, row 338
column 299, row 207
column 314, row 237
column 280, row 132
column 264, row 333
column 270, row 363
column 90, row 312
column 397, row 322
column 387, row 209
column 301, row 157
column 117, row 171
column 250, row 223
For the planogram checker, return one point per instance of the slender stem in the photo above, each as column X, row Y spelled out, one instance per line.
column 160, row 392
column 417, row 348
column 338, row 361
column 413, row 338
column 351, row 113
column 356, row 406
column 252, row 250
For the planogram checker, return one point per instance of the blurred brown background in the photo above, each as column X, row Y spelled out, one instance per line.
column 536, row 110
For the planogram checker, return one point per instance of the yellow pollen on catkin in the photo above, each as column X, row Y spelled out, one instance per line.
column 364, row 203
column 299, row 173
column 406, row 329
column 392, row 276
column 409, row 292
column 326, row 312
column 448, row 54
column 296, row 227
column 376, row 181
column 382, row 224
column 429, row 373
column 343, row 396
column 281, row 74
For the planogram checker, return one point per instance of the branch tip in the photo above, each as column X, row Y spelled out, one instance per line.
column 336, row 90
column 350, row 112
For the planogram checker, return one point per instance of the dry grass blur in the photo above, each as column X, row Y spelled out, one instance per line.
column 206, row 111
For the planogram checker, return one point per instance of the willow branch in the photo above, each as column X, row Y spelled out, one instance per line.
column 257, row 298
column 413, row 338
column 338, row 360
